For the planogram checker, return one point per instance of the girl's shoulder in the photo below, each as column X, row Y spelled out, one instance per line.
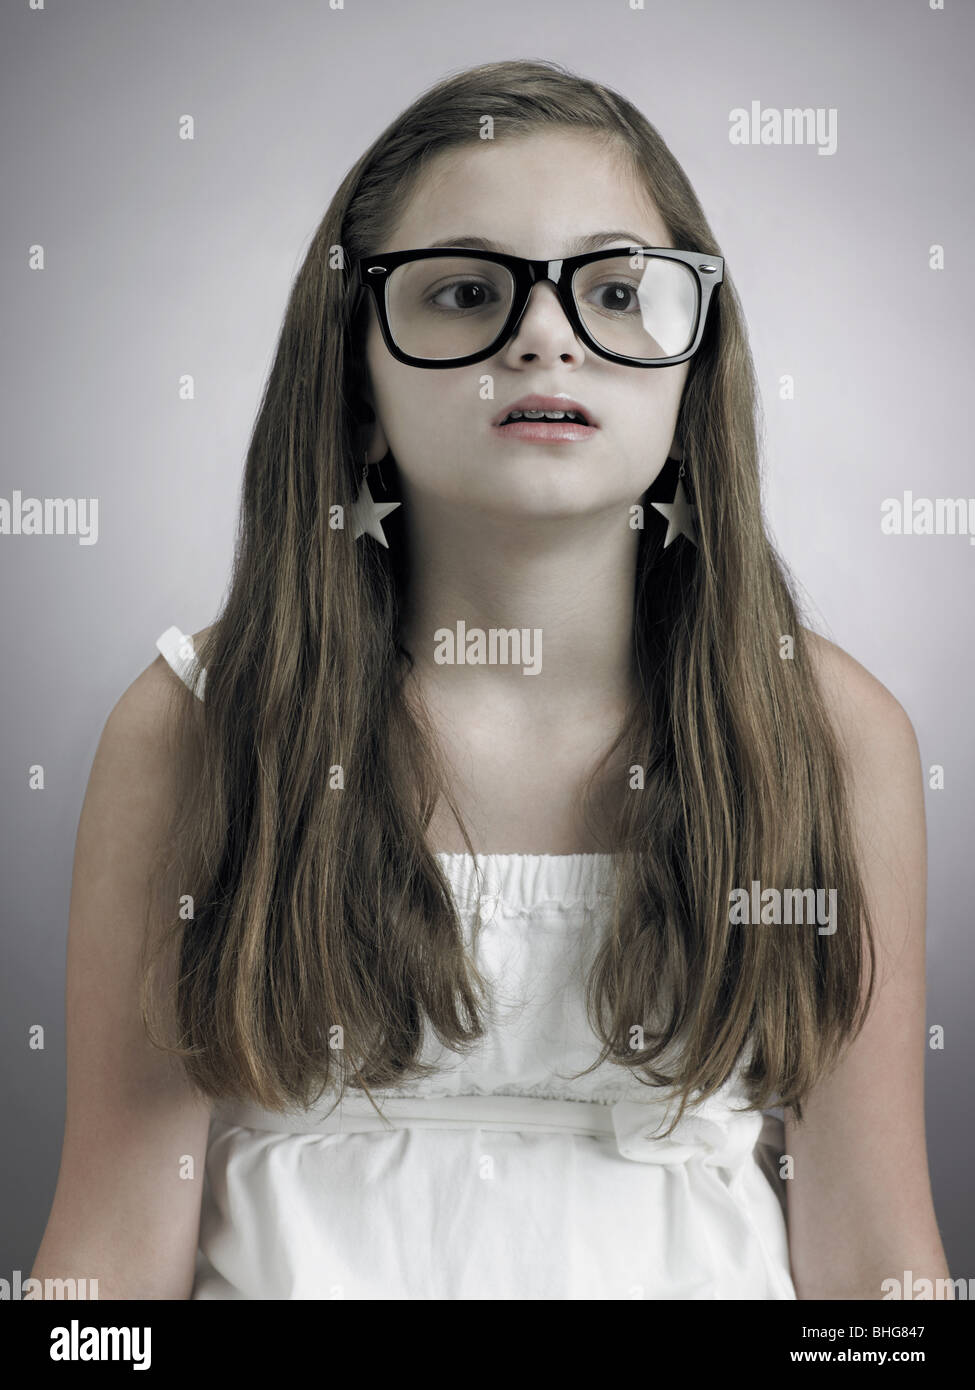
column 146, row 706
column 868, row 718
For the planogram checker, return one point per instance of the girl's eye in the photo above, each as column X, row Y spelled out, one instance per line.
column 614, row 295
column 464, row 294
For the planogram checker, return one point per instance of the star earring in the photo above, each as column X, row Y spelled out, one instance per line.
column 679, row 513
column 367, row 514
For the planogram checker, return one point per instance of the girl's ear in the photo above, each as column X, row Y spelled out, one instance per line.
column 378, row 447
column 373, row 442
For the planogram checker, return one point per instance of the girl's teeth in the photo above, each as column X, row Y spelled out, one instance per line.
column 541, row 414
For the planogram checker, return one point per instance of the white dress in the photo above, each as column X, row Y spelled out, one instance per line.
column 499, row 1177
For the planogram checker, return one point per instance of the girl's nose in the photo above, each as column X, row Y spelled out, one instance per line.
column 544, row 330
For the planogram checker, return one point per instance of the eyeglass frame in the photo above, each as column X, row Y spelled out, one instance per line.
column 526, row 273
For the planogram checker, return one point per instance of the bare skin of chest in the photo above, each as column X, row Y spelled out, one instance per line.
column 520, row 794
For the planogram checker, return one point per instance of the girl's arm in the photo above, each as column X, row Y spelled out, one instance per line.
column 859, row 1204
column 124, row 1212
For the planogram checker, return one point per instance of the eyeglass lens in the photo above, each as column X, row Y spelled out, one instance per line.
column 451, row 306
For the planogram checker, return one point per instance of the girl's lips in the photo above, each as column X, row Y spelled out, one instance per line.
column 546, row 431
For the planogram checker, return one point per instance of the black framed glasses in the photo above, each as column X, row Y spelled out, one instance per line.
column 449, row 306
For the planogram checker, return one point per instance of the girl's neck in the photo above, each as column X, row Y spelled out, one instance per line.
column 532, row 620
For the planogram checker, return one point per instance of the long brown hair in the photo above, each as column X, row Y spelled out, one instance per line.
column 323, row 938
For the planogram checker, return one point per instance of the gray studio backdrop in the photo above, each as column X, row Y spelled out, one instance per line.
column 164, row 256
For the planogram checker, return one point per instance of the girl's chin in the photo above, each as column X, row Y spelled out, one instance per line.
column 536, row 500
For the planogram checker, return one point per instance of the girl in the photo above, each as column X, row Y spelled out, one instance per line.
column 528, row 852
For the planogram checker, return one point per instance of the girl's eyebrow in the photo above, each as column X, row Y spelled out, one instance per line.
column 576, row 247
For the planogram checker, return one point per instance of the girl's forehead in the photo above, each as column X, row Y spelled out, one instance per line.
column 560, row 185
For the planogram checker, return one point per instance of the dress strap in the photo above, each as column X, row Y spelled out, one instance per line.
column 177, row 648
